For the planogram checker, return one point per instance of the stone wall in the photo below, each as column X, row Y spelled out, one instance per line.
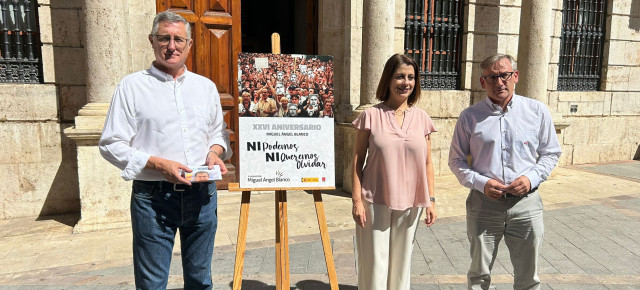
column 604, row 125
column 38, row 161
column 140, row 17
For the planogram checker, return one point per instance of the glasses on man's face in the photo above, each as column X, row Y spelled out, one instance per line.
column 165, row 39
column 494, row 78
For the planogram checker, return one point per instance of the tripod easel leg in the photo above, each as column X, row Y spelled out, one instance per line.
column 242, row 239
column 326, row 242
column 282, row 241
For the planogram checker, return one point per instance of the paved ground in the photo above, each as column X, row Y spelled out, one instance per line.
column 592, row 241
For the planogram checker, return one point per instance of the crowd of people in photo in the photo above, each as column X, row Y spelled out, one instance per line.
column 285, row 85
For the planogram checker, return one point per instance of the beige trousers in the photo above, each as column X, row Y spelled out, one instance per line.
column 519, row 221
column 384, row 247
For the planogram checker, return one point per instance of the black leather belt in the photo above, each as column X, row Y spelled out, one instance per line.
column 177, row 186
column 183, row 187
column 511, row 196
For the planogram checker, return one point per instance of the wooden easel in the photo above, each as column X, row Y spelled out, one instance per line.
column 282, row 233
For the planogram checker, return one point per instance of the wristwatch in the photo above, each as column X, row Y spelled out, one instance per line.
column 432, row 198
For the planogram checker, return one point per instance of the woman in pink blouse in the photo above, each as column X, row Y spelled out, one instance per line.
column 391, row 191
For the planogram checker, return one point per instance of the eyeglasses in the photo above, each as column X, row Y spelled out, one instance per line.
column 493, row 79
column 165, row 39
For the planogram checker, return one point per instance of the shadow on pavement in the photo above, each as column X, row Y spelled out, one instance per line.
column 253, row 284
column 317, row 285
column 335, row 192
column 301, row 285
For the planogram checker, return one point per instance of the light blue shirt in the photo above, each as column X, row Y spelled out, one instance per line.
column 504, row 145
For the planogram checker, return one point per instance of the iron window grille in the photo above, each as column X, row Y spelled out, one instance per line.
column 433, row 38
column 581, row 45
column 20, row 58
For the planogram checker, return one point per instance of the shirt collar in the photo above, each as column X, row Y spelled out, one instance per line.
column 497, row 108
column 154, row 71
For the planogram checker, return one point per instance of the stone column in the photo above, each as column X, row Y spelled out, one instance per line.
column 534, row 49
column 378, row 20
column 104, row 195
column 377, row 45
column 107, row 44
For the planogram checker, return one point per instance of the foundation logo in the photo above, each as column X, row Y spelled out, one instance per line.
column 310, row 179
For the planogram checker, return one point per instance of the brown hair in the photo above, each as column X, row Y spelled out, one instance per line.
column 382, row 93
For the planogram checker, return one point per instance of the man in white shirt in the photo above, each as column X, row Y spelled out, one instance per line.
column 267, row 106
column 513, row 147
column 162, row 121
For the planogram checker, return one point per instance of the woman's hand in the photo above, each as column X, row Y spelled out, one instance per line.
column 431, row 215
column 358, row 212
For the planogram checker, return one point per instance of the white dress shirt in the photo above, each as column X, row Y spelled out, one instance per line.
column 151, row 114
column 504, row 145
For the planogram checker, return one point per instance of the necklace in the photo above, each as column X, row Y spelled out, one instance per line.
column 398, row 111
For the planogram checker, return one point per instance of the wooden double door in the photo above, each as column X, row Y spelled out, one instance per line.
column 215, row 29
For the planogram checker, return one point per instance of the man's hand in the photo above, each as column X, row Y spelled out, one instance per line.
column 170, row 169
column 520, row 186
column 214, row 159
column 494, row 189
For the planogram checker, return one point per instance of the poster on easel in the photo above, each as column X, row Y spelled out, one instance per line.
column 286, row 124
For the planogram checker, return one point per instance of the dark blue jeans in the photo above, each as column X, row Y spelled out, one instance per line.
column 157, row 212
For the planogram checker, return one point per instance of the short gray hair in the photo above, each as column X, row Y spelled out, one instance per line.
column 170, row 17
column 489, row 61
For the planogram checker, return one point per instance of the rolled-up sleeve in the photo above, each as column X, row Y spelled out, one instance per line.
column 119, row 130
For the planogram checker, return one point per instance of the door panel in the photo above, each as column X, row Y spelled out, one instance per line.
column 218, row 5
column 216, row 36
column 162, row 5
column 220, row 41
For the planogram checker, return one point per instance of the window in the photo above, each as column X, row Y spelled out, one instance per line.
column 433, row 38
column 583, row 23
column 20, row 60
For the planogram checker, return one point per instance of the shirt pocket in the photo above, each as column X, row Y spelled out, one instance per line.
column 526, row 143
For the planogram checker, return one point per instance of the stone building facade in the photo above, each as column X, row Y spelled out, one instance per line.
column 604, row 125
column 50, row 163
column 49, row 129
column 38, row 163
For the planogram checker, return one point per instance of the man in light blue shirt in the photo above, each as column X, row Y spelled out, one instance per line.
column 513, row 147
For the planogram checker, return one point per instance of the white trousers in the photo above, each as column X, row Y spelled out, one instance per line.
column 384, row 247
column 520, row 222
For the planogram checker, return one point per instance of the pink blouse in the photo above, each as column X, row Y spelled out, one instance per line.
column 395, row 171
